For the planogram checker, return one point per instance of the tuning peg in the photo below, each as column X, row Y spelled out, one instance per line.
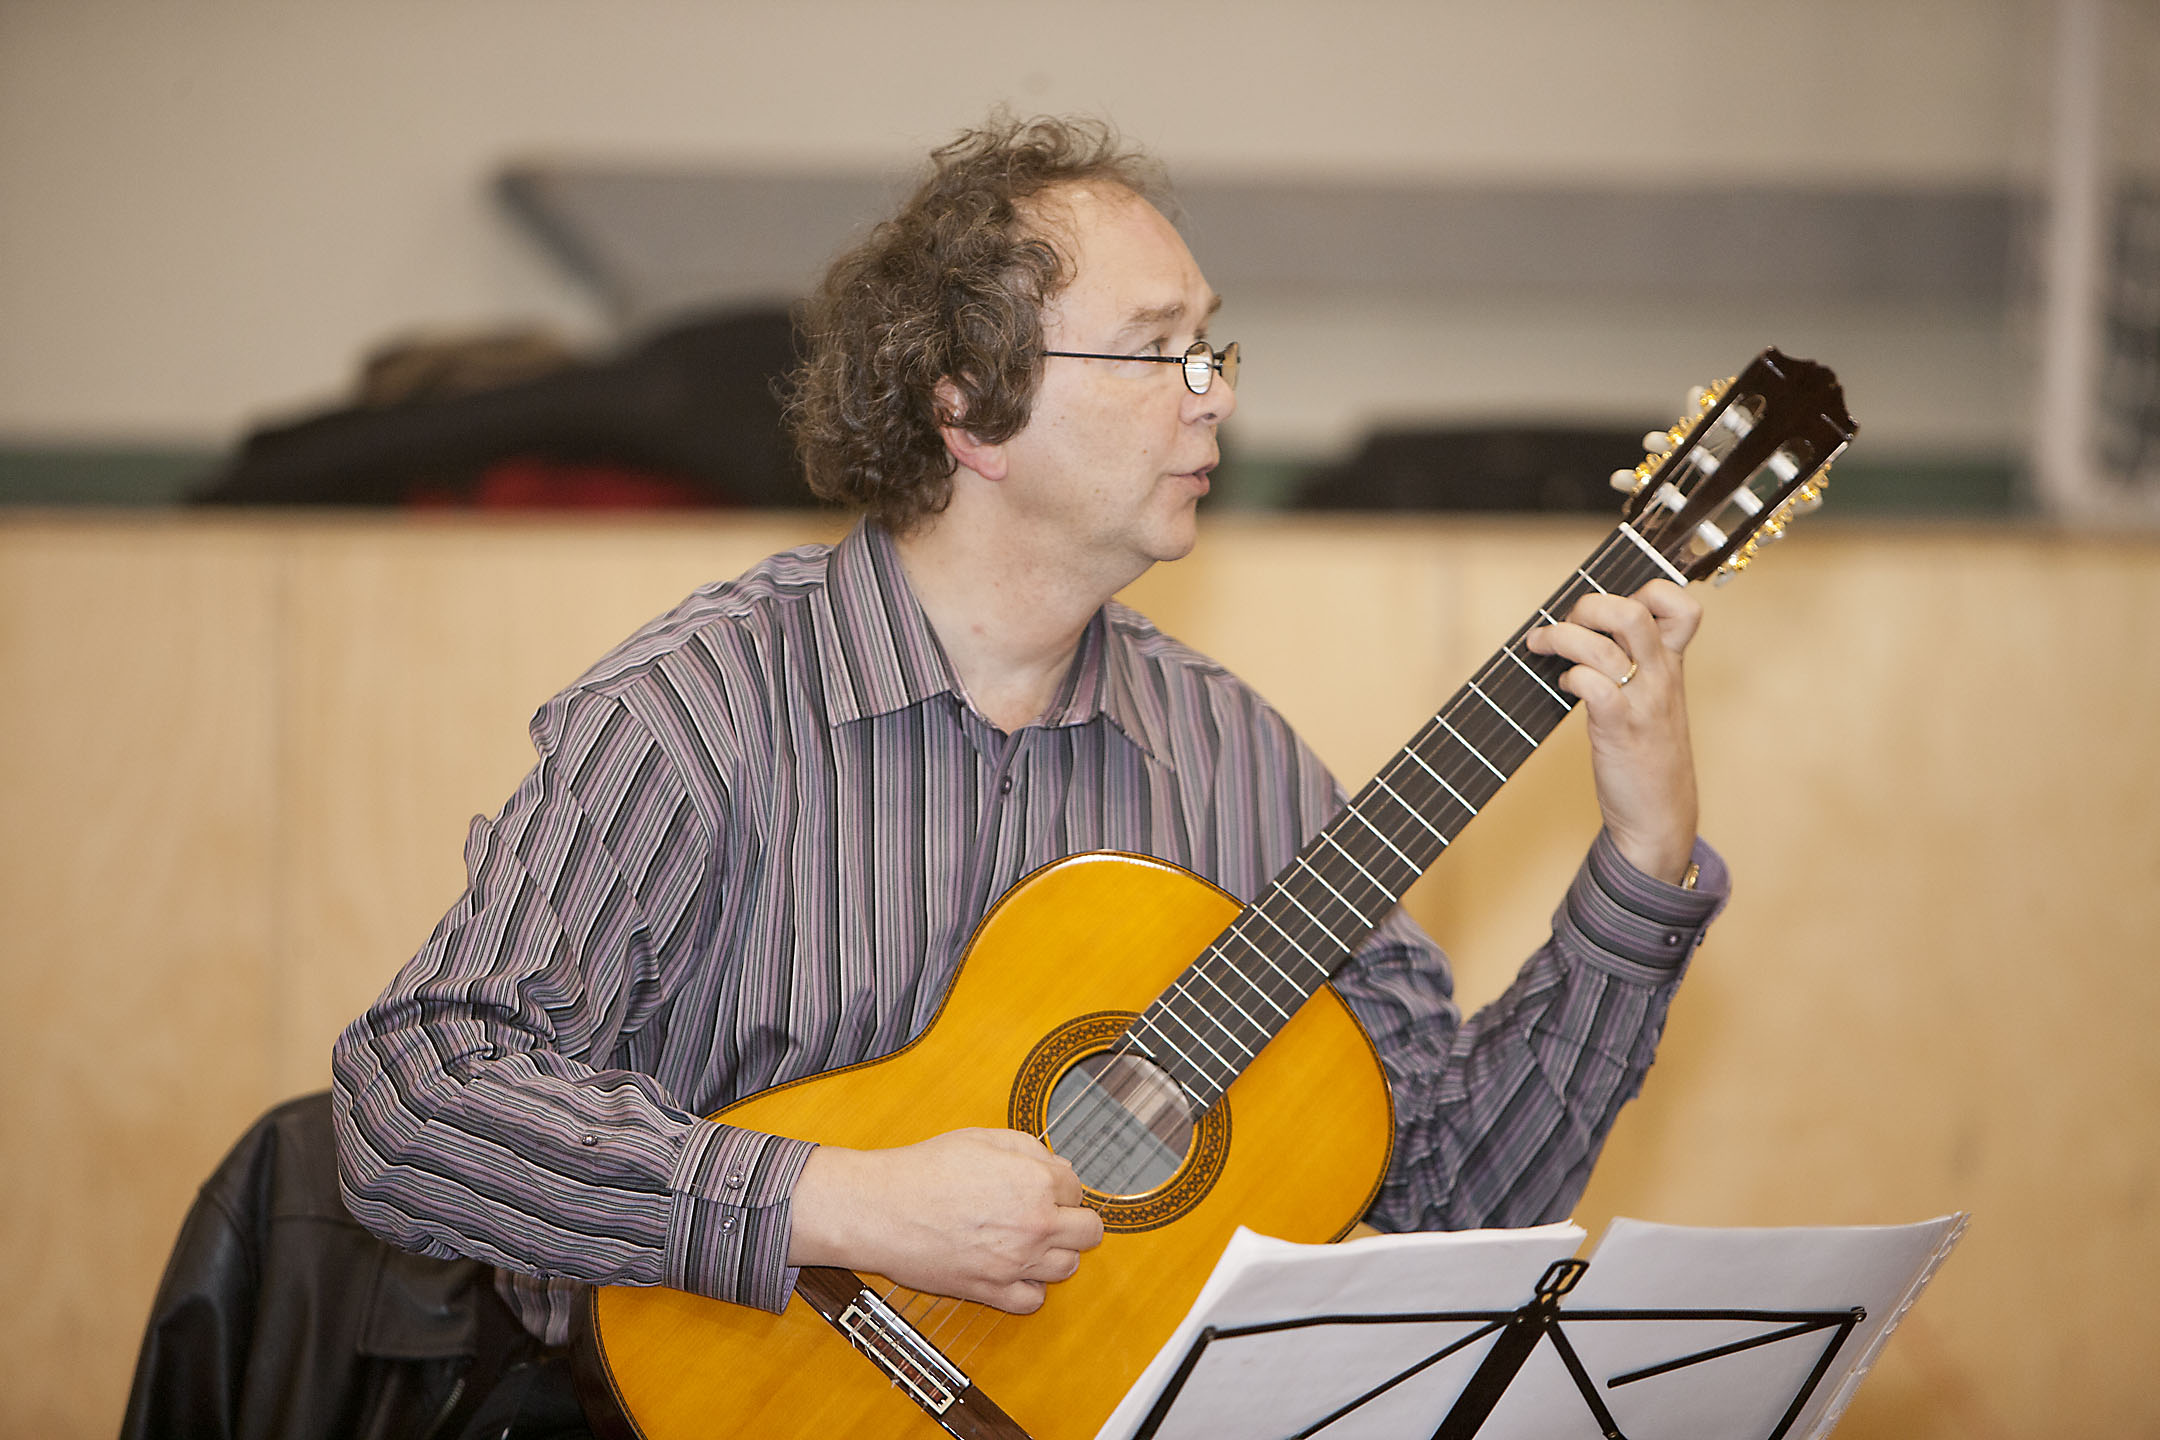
column 1808, row 497
column 1625, row 481
column 1698, row 397
column 1660, row 442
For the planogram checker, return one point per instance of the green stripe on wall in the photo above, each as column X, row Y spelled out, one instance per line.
column 99, row 475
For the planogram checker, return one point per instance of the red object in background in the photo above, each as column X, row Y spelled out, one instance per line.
column 532, row 483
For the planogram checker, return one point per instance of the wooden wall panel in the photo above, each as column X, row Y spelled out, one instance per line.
column 135, row 928
column 1929, row 759
column 1939, row 791
column 416, row 656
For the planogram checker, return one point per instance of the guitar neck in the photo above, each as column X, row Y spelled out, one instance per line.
column 1284, row 946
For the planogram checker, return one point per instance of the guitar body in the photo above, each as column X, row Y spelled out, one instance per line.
column 1308, row 1133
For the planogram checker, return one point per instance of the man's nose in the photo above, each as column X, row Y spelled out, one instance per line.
column 1213, row 408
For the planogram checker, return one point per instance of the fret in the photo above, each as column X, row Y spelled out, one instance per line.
column 1182, row 1067
column 1359, row 815
column 1501, row 711
column 1236, row 932
column 1592, row 583
column 1269, row 981
column 1215, row 976
column 1288, row 894
column 1261, row 911
column 1257, row 989
column 1411, row 751
column 1498, row 773
column 1171, row 1011
column 1269, row 959
column 1411, row 810
column 1524, row 666
column 1660, row 561
column 1329, row 836
column 1530, row 702
column 1306, row 866
column 1228, row 1033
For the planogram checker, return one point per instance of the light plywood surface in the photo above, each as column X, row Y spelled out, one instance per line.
column 239, row 756
column 136, row 828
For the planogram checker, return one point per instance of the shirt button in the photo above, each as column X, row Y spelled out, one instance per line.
column 1672, row 939
column 728, row 1223
column 592, row 1140
column 735, row 1181
column 1005, row 786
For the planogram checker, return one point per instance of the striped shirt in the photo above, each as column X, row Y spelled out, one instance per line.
column 758, row 837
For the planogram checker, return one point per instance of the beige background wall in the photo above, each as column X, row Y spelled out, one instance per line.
column 237, row 758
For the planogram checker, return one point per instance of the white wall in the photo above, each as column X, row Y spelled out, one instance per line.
column 207, row 209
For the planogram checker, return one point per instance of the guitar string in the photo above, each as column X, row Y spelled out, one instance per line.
column 1091, row 1092
column 1127, row 1044
column 931, row 1324
column 1182, row 988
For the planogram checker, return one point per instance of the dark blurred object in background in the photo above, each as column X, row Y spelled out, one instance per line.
column 1518, row 467
column 690, row 417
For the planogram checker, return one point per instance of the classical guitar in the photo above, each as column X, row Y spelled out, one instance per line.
column 1185, row 1054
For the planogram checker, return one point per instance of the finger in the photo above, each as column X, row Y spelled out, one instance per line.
column 1017, row 1141
column 1054, row 1265
column 1678, row 614
column 1021, row 1297
column 1065, row 1183
column 1076, row 1228
column 1589, row 649
column 1623, row 619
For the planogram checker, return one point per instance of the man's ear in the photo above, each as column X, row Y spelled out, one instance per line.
column 987, row 461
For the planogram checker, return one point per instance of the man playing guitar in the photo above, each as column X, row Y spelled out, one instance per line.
column 761, row 830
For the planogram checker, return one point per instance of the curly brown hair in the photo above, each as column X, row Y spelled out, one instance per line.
column 950, row 288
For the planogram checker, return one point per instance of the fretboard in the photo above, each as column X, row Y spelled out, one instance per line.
column 1284, row 946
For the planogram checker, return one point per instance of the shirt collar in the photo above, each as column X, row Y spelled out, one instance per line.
column 1108, row 679
column 876, row 648
column 879, row 654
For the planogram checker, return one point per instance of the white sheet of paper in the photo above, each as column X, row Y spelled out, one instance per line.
column 1271, row 1386
column 1261, row 1280
column 1743, row 1396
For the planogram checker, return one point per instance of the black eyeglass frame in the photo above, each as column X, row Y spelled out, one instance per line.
column 1202, row 362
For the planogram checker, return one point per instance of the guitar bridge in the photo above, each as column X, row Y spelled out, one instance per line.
column 898, row 1349
column 912, row 1363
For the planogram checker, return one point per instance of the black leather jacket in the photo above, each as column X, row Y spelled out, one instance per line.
column 279, row 1317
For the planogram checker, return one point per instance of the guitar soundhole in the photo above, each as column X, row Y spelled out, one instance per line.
column 1122, row 1123
column 1144, row 1158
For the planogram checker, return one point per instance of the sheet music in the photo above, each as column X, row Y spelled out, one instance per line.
column 1239, row 1392
column 1272, row 1386
column 1643, row 1266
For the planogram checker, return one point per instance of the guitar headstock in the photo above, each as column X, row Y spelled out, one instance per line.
column 1730, row 478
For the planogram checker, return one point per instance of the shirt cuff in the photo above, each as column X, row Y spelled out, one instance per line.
column 1636, row 921
column 728, row 1236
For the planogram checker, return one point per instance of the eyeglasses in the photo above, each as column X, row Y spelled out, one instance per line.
column 1201, row 360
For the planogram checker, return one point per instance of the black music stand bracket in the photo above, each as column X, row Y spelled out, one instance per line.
column 1518, row 1333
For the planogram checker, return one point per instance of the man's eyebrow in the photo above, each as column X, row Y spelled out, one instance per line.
column 1162, row 314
